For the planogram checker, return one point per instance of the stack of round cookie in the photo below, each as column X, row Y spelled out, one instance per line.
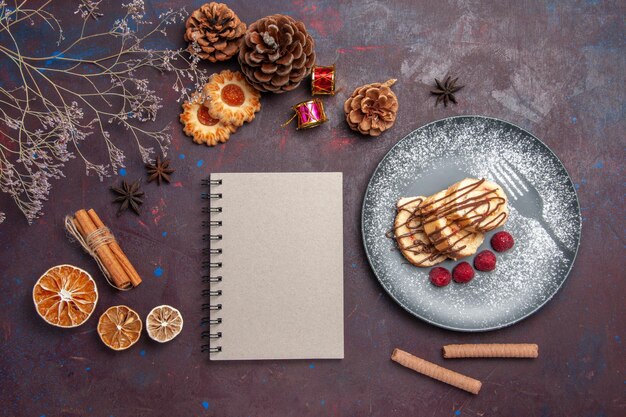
column 225, row 103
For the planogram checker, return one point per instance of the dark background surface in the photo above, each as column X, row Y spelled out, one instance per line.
column 553, row 68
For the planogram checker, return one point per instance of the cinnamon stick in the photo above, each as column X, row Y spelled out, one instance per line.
column 501, row 350
column 436, row 372
column 118, row 275
column 79, row 227
column 132, row 274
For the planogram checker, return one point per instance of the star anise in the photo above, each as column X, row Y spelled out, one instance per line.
column 445, row 90
column 160, row 170
column 128, row 196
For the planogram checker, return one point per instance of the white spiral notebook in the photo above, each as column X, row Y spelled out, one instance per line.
column 275, row 266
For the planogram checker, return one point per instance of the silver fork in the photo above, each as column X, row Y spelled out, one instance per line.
column 527, row 199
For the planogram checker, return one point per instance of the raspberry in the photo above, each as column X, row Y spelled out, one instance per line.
column 463, row 273
column 485, row 261
column 502, row 241
column 440, row 276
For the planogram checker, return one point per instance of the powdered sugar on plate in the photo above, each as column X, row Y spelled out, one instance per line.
column 434, row 157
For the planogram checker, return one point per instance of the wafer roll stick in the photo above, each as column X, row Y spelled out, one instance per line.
column 503, row 350
column 436, row 372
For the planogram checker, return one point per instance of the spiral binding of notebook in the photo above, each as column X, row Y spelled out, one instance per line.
column 211, row 276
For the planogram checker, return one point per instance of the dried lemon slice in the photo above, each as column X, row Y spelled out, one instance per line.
column 201, row 126
column 164, row 323
column 231, row 98
column 65, row 296
column 119, row 327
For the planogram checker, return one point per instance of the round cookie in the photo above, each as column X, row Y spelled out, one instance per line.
column 201, row 126
column 231, row 98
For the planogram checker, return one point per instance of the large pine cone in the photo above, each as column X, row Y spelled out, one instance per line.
column 372, row 108
column 276, row 53
column 217, row 31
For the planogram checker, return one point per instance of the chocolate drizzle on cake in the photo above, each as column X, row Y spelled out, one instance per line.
column 476, row 214
column 472, row 204
column 415, row 225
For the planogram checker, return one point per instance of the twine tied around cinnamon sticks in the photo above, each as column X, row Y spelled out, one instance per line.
column 98, row 241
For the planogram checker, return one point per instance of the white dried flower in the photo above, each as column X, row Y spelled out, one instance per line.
column 46, row 130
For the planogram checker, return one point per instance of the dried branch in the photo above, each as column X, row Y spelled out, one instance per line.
column 61, row 100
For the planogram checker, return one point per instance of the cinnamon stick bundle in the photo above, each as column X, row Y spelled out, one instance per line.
column 436, row 372
column 97, row 240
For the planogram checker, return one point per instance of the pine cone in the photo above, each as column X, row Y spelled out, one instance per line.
column 217, row 31
column 276, row 53
column 372, row 108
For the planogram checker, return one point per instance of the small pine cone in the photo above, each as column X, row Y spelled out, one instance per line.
column 372, row 108
column 276, row 53
column 217, row 31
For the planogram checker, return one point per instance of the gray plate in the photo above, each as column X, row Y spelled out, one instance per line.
column 545, row 221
